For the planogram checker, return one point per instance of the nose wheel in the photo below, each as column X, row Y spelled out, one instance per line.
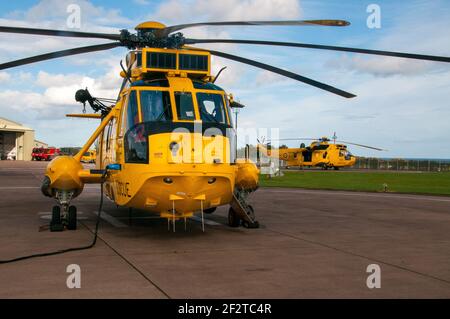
column 67, row 218
column 56, row 222
column 71, row 218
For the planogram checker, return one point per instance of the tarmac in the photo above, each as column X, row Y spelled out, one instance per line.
column 311, row 244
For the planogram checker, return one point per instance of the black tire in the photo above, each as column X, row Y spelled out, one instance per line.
column 246, row 224
column 336, row 168
column 56, row 215
column 72, row 218
column 233, row 219
column 210, row 210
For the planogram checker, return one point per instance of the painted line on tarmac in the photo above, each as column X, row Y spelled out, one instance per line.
column 112, row 220
column 49, row 213
column 18, row 187
column 48, row 216
column 393, row 196
column 207, row 221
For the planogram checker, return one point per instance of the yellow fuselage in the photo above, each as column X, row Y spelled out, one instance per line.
column 172, row 158
column 318, row 154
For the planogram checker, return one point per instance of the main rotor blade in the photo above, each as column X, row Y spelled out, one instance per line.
column 360, row 145
column 326, row 47
column 59, row 54
column 285, row 73
column 60, row 33
column 330, row 23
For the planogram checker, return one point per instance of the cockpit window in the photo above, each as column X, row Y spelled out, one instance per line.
column 211, row 108
column 155, row 106
column 185, row 106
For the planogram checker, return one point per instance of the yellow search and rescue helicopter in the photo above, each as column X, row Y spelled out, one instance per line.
column 320, row 153
column 166, row 144
column 89, row 156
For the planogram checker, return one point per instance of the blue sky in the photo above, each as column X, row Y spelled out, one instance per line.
column 402, row 105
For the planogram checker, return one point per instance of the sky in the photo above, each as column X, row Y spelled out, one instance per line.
column 402, row 105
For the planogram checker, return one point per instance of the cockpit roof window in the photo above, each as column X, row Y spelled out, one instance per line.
column 198, row 85
column 154, row 83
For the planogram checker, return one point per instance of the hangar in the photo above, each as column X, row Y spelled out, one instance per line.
column 16, row 141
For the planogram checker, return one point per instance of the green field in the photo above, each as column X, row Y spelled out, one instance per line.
column 414, row 183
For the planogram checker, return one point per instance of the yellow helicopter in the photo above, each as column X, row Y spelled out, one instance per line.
column 320, row 153
column 89, row 157
column 166, row 144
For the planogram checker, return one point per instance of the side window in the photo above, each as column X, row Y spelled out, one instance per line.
column 184, row 106
column 112, row 127
column 136, row 145
column 108, row 135
column 132, row 115
column 123, row 113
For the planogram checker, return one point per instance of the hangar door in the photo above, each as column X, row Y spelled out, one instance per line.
column 7, row 144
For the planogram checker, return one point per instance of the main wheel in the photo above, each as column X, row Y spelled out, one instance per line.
column 233, row 219
column 72, row 218
column 210, row 210
column 246, row 224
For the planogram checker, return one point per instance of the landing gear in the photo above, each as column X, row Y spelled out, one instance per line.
column 56, row 222
column 254, row 224
column 240, row 212
column 63, row 214
column 72, row 218
column 233, row 218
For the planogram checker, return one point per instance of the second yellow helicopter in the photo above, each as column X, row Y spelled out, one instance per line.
column 320, row 153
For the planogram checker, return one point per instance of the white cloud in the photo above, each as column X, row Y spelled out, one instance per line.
column 52, row 14
column 45, row 79
column 265, row 78
column 380, row 66
column 4, row 77
column 422, row 31
column 228, row 10
column 142, row 2
column 56, row 10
